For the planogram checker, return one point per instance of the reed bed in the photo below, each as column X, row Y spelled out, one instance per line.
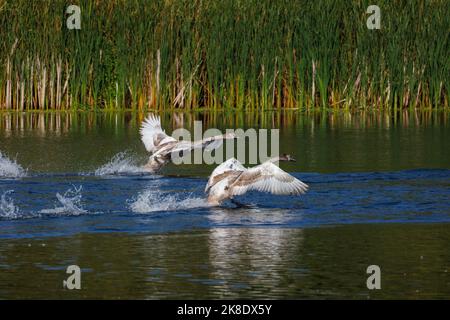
column 241, row 55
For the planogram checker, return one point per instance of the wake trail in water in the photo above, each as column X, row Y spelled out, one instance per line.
column 10, row 168
column 153, row 201
column 68, row 204
column 120, row 164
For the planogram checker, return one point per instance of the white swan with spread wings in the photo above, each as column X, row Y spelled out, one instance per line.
column 231, row 178
column 163, row 146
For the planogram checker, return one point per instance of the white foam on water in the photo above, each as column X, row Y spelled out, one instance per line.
column 10, row 168
column 70, row 203
column 7, row 207
column 153, row 201
column 121, row 163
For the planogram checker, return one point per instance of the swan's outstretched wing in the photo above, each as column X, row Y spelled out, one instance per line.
column 267, row 177
column 231, row 164
column 209, row 144
column 152, row 134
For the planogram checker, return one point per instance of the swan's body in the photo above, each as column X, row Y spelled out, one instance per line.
column 162, row 146
column 231, row 178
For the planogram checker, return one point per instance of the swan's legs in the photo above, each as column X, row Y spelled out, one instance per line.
column 239, row 204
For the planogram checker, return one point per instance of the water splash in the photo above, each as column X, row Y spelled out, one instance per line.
column 121, row 163
column 152, row 201
column 10, row 168
column 70, row 203
column 8, row 209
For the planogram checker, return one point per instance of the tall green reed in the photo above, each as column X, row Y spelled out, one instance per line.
column 241, row 54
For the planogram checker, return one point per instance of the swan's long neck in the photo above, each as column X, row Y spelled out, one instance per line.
column 275, row 159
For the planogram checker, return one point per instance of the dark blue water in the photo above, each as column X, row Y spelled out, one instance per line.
column 47, row 205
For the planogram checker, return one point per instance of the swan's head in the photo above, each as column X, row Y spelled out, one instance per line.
column 287, row 157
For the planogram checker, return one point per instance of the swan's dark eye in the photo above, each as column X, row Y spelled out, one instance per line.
column 227, row 187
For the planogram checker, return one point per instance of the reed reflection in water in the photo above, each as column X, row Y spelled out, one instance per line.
column 64, row 122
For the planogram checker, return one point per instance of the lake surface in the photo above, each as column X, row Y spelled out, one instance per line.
column 72, row 191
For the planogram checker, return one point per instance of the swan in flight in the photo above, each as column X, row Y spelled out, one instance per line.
column 231, row 178
column 162, row 146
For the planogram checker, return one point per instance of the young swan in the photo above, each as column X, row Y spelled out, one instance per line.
column 231, row 178
column 162, row 146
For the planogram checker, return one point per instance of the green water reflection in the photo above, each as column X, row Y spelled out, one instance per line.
column 321, row 142
column 327, row 262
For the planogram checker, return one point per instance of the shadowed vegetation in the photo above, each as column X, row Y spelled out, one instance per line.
column 243, row 54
